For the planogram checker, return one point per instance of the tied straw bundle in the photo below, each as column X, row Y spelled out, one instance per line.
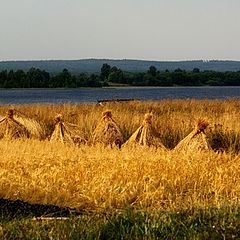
column 145, row 135
column 196, row 140
column 66, row 132
column 107, row 131
column 17, row 125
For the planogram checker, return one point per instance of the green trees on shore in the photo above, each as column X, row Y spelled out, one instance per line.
column 36, row 78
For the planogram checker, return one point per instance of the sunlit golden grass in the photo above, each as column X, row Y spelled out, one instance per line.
column 93, row 177
column 175, row 115
column 97, row 178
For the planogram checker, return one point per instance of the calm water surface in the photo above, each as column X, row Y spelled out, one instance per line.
column 28, row 96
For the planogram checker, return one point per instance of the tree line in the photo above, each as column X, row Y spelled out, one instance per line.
column 179, row 77
column 36, row 78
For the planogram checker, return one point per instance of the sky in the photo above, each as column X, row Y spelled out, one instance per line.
column 120, row 29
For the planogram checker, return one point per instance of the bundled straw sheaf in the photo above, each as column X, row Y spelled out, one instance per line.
column 145, row 135
column 196, row 140
column 107, row 131
column 66, row 132
column 16, row 125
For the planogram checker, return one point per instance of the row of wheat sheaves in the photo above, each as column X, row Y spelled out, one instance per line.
column 16, row 125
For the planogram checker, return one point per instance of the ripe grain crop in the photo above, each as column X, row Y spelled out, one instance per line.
column 104, row 178
column 100, row 178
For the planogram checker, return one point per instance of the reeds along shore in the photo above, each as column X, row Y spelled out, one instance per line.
column 171, row 121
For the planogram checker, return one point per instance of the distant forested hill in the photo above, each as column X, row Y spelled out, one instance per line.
column 94, row 65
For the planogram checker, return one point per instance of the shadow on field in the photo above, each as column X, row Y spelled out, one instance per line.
column 18, row 209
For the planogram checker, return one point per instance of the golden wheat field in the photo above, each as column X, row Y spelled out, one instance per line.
column 100, row 178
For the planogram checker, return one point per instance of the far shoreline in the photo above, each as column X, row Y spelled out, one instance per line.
column 123, row 87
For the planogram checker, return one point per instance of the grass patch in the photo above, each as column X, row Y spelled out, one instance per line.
column 212, row 223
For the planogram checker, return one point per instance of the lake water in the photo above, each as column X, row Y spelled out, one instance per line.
column 27, row 96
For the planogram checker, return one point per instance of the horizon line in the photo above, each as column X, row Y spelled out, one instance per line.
column 119, row 59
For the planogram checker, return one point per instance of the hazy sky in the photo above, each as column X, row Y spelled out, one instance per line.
column 132, row 29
